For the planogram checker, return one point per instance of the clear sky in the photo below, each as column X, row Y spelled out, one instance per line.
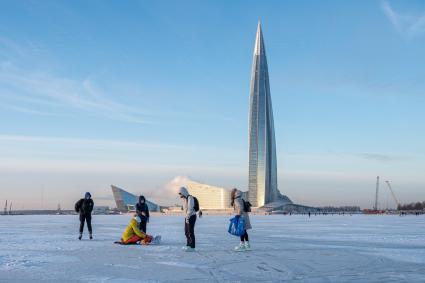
column 134, row 93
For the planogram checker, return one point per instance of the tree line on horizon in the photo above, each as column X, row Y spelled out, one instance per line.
column 339, row 209
column 412, row 206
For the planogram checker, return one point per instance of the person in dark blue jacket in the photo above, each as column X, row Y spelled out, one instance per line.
column 85, row 207
column 142, row 211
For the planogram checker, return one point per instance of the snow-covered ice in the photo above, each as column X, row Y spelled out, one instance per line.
column 356, row 248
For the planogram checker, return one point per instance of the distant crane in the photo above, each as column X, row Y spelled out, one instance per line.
column 376, row 194
column 5, row 209
column 10, row 209
column 392, row 193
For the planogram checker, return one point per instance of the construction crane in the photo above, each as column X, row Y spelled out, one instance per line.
column 5, row 208
column 392, row 193
column 376, row 194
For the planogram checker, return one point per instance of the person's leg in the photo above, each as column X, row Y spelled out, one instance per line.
column 186, row 232
column 192, row 221
column 246, row 243
column 132, row 240
column 82, row 219
column 243, row 238
column 88, row 219
column 143, row 226
column 246, row 236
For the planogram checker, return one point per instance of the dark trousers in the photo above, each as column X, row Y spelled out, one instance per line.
column 189, row 230
column 244, row 237
column 87, row 218
column 142, row 226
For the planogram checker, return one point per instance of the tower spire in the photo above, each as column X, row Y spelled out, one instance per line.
column 259, row 42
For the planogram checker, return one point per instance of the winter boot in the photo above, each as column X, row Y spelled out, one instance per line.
column 247, row 246
column 80, row 237
column 241, row 247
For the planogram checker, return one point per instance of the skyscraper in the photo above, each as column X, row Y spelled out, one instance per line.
column 262, row 146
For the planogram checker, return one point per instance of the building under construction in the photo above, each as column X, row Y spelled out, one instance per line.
column 376, row 209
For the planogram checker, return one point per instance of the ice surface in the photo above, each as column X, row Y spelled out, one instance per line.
column 356, row 248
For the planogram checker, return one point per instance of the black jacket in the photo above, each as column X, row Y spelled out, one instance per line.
column 142, row 207
column 84, row 206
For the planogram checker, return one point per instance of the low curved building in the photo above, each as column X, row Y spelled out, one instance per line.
column 210, row 197
column 126, row 202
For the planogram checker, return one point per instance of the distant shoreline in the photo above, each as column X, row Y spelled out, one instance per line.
column 206, row 213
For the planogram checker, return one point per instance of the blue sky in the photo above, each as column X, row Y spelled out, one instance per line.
column 134, row 93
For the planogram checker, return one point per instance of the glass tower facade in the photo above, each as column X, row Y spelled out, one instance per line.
column 262, row 183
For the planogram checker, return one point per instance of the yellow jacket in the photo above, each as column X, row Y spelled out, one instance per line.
column 131, row 230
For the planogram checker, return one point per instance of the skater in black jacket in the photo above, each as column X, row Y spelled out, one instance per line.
column 142, row 211
column 85, row 207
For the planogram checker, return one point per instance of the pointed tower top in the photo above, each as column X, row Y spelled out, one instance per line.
column 259, row 43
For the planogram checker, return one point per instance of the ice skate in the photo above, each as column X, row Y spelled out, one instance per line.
column 189, row 249
column 80, row 237
column 247, row 246
column 240, row 247
column 156, row 240
column 91, row 237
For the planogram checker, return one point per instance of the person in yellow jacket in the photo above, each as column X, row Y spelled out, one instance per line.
column 133, row 235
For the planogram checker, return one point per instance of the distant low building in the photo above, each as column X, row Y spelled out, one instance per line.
column 101, row 210
column 172, row 209
column 126, row 201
